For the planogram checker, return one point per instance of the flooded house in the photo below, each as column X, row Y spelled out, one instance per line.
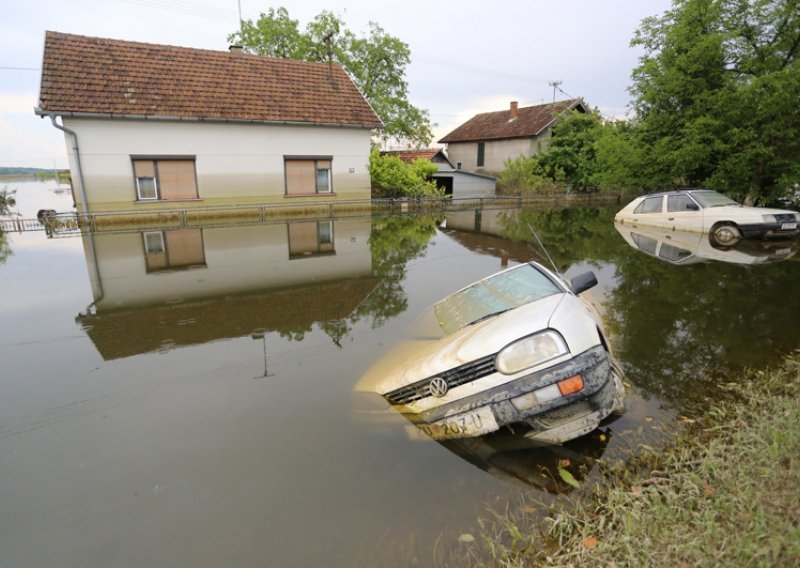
column 162, row 127
column 488, row 139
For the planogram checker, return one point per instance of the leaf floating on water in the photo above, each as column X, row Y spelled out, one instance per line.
column 466, row 537
column 648, row 419
column 568, row 478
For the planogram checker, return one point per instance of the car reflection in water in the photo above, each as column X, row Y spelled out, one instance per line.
column 505, row 454
column 681, row 247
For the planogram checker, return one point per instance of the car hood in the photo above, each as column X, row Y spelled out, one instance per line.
column 429, row 354
column 741, row 210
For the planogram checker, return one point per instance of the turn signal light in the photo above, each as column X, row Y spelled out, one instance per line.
column 571, row 385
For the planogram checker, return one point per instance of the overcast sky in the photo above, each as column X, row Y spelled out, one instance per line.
column 468, row 56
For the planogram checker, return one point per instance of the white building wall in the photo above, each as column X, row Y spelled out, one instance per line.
column 235, row 163
column 465, row 186
column 495, row 152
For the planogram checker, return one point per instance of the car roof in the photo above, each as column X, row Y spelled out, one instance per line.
column 679, row 191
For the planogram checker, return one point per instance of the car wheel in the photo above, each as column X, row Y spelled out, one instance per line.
column 725, row 235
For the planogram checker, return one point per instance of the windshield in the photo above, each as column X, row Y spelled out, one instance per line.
column 493, row 295
column 712, row 199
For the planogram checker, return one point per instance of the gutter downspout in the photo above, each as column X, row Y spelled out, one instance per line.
column 76, row 149
column 99, row 294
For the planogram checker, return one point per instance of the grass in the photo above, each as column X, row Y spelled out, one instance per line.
column 725, row 493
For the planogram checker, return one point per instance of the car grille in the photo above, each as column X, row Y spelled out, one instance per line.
column 568, row 412
column 785, row 217
column 454, row 377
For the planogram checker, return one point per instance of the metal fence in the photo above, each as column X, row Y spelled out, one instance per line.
column 70, row 223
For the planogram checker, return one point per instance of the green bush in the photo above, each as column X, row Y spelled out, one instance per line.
column 394, row 178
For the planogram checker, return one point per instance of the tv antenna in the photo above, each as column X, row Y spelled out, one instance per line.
column 555, row 85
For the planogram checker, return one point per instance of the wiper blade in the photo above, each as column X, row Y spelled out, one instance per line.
column 489, row 315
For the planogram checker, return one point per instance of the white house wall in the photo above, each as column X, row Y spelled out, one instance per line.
column 466, row 186
column 235, row 163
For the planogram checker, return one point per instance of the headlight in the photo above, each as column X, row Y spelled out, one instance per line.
column 769, row 218
column 530, row 351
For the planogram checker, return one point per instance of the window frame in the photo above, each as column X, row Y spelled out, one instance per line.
column 481, row 158
column 316, row 161
column 640, row 209
column 155, row 159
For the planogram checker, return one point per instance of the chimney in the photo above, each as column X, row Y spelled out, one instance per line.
column 512, row 112
column 236, row 49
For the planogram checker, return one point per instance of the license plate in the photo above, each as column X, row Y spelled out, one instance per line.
column 788, row 226
column 464, row 425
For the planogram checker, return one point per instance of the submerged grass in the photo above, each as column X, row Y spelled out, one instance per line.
column 725, row 493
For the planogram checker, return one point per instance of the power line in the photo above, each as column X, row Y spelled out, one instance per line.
column 20, row 68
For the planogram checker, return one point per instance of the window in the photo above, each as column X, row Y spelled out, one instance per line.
column 165, row 178
column 178, row 248
column 308, row 176
column 481, row 154
column 680, row 203
column 312, row 238
column 650, row 205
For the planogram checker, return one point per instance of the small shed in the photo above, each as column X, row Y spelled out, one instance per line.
column 456, row 183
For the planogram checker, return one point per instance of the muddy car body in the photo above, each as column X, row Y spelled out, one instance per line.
column 706, row 211
column 518, row 348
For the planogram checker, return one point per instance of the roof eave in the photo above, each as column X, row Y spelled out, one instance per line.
column 159, row 118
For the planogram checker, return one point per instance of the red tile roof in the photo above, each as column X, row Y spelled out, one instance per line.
column 112, row 77
column 411, row 155
column 530, row 121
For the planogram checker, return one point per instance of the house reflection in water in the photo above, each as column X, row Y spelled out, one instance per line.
column 162, row 288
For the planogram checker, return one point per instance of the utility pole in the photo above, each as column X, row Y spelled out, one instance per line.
column 241, row 21
column 555, row 85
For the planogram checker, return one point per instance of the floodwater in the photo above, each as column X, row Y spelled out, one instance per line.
column 184, row 397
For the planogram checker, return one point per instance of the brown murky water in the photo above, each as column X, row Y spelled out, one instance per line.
column 184, row 397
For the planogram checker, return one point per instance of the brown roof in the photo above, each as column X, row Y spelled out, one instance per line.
column 111, row 77
column 530, row 121
column 411, row 155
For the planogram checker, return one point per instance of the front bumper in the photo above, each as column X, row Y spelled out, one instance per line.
column 551, row 422
column 768, row 230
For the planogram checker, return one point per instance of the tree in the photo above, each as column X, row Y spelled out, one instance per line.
column 7, row 201
column 376, row 63
column 716, row 94
column 392, row 177
column 571, row 153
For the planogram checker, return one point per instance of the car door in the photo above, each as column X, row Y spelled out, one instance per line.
column 684, row 214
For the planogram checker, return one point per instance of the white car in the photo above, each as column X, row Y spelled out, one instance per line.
column 706, row 211
column 518, row 348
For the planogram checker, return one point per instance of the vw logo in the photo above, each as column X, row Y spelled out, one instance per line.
column 438, row 387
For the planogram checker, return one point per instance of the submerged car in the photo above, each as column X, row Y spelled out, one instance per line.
column 518, row 348
column 706, row 211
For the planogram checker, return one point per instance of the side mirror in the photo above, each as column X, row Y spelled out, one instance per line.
column 692, row 207
column 583, row 282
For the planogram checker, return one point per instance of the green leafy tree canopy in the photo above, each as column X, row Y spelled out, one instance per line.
column 392, row 177
column 376, row 62
column 716, row 96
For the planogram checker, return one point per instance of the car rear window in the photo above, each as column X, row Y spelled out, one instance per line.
column 501, row 292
